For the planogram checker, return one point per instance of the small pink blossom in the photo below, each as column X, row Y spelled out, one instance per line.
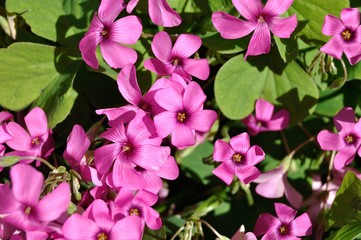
column 346, row 142
column 346, row 35
column 242, row 235
column 285, row 226
column 37, row 141
column 274, row 184
column 160, row 12
column 97, row 223
column 238, row 158
column 183, row 115
column 21, row 204
column 176, row 59
column 265, row 118
column 260, row 19
column 108, row 34
column 139, row 205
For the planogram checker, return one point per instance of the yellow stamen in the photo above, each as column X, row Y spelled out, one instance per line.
column 237, row 158
column 349, row 139
column 35, row 141
column 346, row 35
column 27, row 210
column 134, row 212
column 181, row 117
column 102, row 236
column 283, row 230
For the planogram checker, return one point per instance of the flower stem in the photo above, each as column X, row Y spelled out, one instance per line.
column 285, row 142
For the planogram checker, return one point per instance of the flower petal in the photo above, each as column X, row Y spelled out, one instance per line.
column 264, row 110
column 202, row 121
column 155, row 65
column 301, row 226
column 183, row 136
column 330, row 141
column 36, row 122
column 193, row 98
column 285, row 213
column 353, row 52
column 293, row 197
column 109, row 10
column 77, row 144
column 21, row 140
column 222, row 151
column 8, row 202
column 240, row 143
column 345, row 119
column 105, row 156
column 273, row 188
column 128, row 228
column 169, row 99
column 150, row 157
column 225, row 172
column 283, row 27
column 169, row 170
column 260, row 42
column 249, row 9
column 54, row 204
column 152, row 218
column 279, row 120
column 162, row 14
column 186, row 45
column 350, row 18
column 131, row 5
column 24, row 192
column 247, row 174
column 165, row 123
column 231, row 27
column 99, row 212
column 265, row 223
column 162, row 47
column 78, row 227
column 334, row 47
column 126, row 30
column 117, row 56
column 332, row 25
column 344, row 157
column 276, row 7
column 128, row 85
column 254, row 155
column 198, row 68
column 124, row 175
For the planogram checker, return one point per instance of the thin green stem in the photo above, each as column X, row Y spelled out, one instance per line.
column 177, row 233
column 209, row 226
column 285, row 142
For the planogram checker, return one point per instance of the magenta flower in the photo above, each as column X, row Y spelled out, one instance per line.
column 108, row 34
column 265, row 120
column 160, row 12
column 176, row 59
column 139, row 205
column 37, row 141
column 132, row 147
column 242, row 235
column 285, row 226
column 238, row 158
column 347, row 141
column 346, row 35
column 97, row 223
column 183, row 115
column 274, row 184
column 260, row 19
column 76, row 147
column 21, row 202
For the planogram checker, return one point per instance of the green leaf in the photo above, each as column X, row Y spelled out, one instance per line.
column 353, row 72
column 193, row 164
column 349, row 194
column 58, row 21
column 311, row 14
column 239, row 83
column 27, row 69
column 8, row 161
column 150, row 234
column 348, row 232
column 287, row 47
column 224, row 46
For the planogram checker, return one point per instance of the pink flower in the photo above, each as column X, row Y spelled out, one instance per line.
column 176, row 59
column 132, row 147
column 285, row 226
column 108, row 34
column 76, row 147
column 241, row 235
column 139, row 205
column 37, row 142
column 160, row 12
column 238, row 158
column 346, row 35
column 183, row 115
column 265, row 120
column 274, row 184
column 97, row 223
column 21, row 203
column 347, row 141
column 260, row 19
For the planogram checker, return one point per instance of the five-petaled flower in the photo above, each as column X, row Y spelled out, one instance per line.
column 108, row 34
column 346, row 35
column 238, row 158
column 260, row 19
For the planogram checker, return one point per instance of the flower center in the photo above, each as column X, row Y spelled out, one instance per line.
column 283, row 230
column 346, row 35
column 134, row 212
column 176, row 62
column 27, row 210
column 105, row 33
column 237, row 158
column 181, row 117
column 127, row 148
column 261, row 19
column 35, row 141
column 349, row 139
column 102, row 236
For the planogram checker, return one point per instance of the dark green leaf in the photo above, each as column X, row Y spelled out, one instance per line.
column 348, row 232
